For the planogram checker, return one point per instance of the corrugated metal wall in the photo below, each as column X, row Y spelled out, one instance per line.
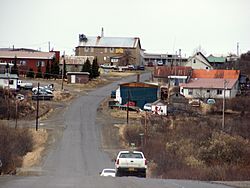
column 139, row 95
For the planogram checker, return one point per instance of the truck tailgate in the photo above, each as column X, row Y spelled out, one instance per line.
column 132, row 162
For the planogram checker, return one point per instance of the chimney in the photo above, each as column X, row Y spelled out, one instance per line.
column 138, row 78
column 102, row 34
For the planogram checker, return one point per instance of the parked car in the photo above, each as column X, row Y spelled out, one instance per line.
column 160, row 63
column 140, row 67
column 210, row 101
column 108, row 66
column 24, row 85
column 130, row 103
column 108, row 172
column 20, row 97
column 42, row 90
column 131, row 67
column 147, row 107
column 194, row 102
column 113, row 94
column 150, row 64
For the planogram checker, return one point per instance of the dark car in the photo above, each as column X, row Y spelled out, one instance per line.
column 113, row 94
column 139, row 67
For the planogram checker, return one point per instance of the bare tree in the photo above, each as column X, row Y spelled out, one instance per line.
column 126, row 58
column 199, row 49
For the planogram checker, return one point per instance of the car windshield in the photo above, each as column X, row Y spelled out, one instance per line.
column 131, row 155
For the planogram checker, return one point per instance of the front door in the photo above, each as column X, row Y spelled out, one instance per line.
column 73, row 79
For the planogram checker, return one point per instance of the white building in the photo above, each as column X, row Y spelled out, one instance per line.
column 8, row 81
column 203, row 88
column 198, row 61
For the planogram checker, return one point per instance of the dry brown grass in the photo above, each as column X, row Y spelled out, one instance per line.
column 39, row 139
column 194, row 148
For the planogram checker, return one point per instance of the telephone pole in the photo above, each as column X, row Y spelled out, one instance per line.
column 128, row 106
column 37, row 106
column 63, row 64
column 223, row 105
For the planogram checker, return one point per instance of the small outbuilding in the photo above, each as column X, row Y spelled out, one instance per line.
column 78, row 77
column 8, row 81
column 138, row 92
column 159, row 107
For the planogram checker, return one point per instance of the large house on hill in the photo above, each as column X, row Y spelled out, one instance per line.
column 111, row 50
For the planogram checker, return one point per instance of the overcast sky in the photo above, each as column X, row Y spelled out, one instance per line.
column 163, row 26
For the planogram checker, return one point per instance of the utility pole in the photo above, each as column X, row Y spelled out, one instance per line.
column 63, row 69
column 128, row 98
column 8, row 90
column 37, row 106
column 238, row 49
column 145, row 129
column 49, row 45
column 223, row 105
column 16, row 112
column 142, row 144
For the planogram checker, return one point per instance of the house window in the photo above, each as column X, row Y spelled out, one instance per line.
column 219, row 91
column 182, row 90
column 206, row 67
column 11, row 82
column 105, row 50
column 91, row 49
column 208, row 91
column 190, row 91
column 112, row 50
column 194, row 61
column 40, row 63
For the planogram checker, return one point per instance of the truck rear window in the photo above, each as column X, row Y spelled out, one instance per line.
column 131, row 155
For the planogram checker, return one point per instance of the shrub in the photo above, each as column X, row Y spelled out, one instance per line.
column 14, row 143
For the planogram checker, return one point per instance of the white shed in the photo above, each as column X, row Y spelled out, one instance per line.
column 159, row 107
column 8, row 80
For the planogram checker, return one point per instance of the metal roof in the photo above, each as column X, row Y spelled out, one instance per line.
column 122, row 42
column 226, row 74
column 213, row 59
column 209, row 83
column 26, row 55
column 166, row 71
column 11, row 76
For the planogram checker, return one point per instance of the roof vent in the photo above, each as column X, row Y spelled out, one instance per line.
column 82, row 38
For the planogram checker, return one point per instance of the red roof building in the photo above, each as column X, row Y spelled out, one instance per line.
column 29, row 59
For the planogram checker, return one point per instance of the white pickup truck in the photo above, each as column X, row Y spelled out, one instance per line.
column 24, row 85
column 131, row 163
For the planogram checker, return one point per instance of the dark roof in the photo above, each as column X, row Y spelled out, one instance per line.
column 165, row 71
column 139, row 84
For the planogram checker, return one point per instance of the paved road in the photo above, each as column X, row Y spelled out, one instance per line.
column 76, row 159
